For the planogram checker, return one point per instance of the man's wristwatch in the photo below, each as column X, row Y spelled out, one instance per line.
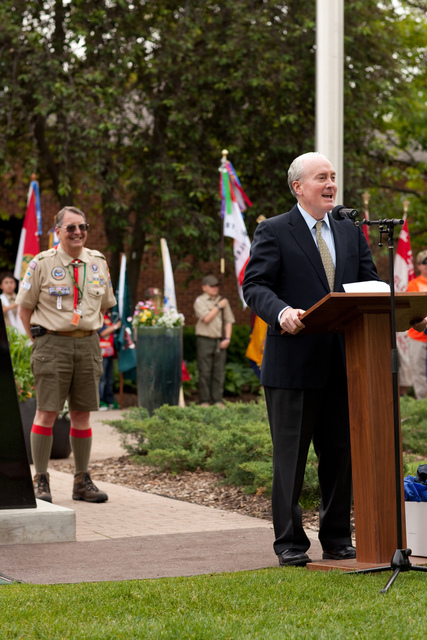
column 219, row 307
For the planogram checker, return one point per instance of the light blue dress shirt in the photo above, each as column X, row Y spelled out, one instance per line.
column 327, row 235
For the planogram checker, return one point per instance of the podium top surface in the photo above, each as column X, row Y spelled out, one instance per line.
column 336, row 310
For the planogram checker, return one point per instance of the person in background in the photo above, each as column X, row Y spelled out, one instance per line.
column 8, row 301
column 62, row 299
column 417, row 343
column 213, row 330
column 106, row 383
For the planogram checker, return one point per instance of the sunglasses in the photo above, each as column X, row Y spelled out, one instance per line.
column 70, row 228
column 424, row 261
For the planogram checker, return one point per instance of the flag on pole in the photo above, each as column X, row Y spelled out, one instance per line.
column 403, row 273
column 168, row 281
column 29, row 245
column 403, row 262
column 233, row 203
column 53, row 238
column 124, row 343
column 365, row 227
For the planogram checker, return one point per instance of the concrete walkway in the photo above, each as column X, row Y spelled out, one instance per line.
column 137, row 535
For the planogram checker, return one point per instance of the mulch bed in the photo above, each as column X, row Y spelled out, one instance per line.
column 199, row 487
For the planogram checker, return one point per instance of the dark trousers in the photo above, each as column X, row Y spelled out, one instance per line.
column 296, row 417
column 211, row 366
column 106, row 383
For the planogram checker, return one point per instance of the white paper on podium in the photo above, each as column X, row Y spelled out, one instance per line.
column 369, row 286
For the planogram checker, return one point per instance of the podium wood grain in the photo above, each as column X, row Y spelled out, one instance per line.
column 365, row 319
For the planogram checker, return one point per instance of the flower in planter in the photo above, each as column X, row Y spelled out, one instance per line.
column 147, row 315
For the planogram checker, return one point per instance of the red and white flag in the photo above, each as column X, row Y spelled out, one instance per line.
column 29, row 245
column 403, row 262
column 403, row 273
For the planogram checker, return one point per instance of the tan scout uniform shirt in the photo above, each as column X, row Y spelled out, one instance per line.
column 48, row 288
column 202, row 305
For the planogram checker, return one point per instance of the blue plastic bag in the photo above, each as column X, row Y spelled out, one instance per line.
column 414, row 491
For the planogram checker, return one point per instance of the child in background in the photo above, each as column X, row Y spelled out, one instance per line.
column 106, row 383
column 10, row 308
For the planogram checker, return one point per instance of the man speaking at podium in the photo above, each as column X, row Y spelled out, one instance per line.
column 297, row 258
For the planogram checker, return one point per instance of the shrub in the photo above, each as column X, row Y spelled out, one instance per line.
column 20, row 355
column 414, row 425
column 234, row 442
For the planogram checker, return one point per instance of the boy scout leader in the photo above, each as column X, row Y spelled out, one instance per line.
column 63, row 296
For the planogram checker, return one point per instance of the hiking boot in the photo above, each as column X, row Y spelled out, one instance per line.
column 41, row 487
column 84, row 489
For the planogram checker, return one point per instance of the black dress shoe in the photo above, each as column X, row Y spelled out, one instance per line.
column 344, row 552
column 293, row 558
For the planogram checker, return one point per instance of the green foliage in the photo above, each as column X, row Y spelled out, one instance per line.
column 237, row 446
column 239, row 378
column 414, row 425
column 20, row 354
column 133, row 102
column 234, row 442
column 239, row 343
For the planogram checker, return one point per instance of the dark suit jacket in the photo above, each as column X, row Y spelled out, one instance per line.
column 285, row 268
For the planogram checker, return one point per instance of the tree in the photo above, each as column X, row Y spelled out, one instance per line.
column 134, row 101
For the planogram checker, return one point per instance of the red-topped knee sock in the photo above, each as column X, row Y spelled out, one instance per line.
column 41, row 439
column 81, row 443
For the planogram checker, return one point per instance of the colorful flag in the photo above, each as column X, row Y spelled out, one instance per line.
column 53, row 239
column 168, row 281
column 233, row 203
column 403, row 262
column 255, row 350
column 365, row 227
column 403, row 273
column 29, row 245
column 124, row 343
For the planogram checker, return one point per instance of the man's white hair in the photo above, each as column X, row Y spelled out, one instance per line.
column 296, row 169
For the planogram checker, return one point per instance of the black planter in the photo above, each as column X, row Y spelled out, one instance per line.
column 61, row 447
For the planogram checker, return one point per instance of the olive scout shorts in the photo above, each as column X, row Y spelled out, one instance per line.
column 66, row 368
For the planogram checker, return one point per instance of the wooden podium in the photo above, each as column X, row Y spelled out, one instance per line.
column 365, row 319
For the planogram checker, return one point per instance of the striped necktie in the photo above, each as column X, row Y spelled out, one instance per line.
column 328, row 263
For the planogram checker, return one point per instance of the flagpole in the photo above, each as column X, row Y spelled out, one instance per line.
column 222, row 258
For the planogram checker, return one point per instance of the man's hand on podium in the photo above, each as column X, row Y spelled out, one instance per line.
column 290, row 322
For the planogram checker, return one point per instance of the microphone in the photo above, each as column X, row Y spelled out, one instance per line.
column 340, row 212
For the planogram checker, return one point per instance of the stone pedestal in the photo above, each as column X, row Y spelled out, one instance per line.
column 46, row 523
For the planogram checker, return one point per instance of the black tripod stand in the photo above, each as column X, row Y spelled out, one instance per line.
column 400, row 561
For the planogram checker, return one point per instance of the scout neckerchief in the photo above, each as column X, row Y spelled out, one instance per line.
column 78, row 293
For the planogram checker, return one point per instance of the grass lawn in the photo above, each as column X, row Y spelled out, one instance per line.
column 271, row 604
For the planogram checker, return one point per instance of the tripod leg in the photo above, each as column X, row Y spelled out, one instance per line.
column 390, row 582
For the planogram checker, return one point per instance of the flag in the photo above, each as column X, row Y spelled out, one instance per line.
column 168, row 281
column 403, row 273
column 29, row 245
column 233, row 203
column 53, row 238
column 125, row 345
column 365, row 227
column 403, row 262
column 255, row 350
